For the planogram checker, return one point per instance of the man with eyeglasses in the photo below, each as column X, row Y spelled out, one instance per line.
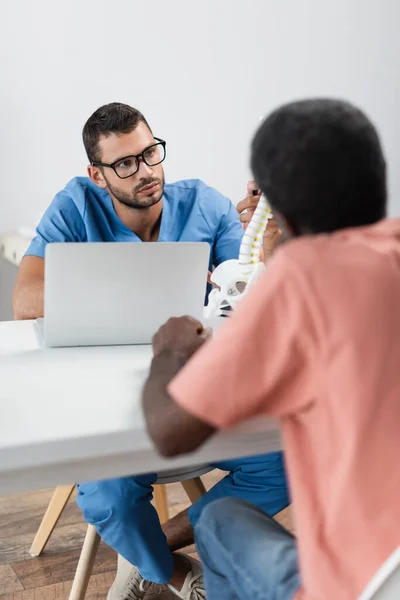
column 125, row 198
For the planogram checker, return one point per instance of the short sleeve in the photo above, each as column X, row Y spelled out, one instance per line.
column 62, row 222
column 229, row 236
column 223, row 221
column 259, row 362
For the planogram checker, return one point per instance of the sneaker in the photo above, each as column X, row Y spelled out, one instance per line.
column 130, row 585
column 193, row 586
column 160, row 592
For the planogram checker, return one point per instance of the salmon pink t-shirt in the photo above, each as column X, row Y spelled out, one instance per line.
column 317, row 344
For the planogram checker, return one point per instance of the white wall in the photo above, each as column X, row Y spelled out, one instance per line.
column 203, row 73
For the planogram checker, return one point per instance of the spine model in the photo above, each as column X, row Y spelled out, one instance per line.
column 233, row 278
column 249, row 254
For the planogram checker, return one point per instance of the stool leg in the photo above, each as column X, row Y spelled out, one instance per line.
column 161, row 502
column 53, row 513
column 85, row 564
column 194, row 488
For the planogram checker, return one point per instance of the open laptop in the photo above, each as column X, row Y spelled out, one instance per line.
column 116, row 293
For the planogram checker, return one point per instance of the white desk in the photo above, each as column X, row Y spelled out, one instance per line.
column 74, row 414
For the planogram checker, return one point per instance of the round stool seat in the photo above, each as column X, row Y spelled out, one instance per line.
column 177, row 475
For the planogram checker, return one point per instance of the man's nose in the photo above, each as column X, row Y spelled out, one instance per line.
column 144, row 169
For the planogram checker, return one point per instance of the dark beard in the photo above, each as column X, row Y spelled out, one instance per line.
column 131, row 201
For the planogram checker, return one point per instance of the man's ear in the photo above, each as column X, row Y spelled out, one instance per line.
column 288, row 231
column 97, row 176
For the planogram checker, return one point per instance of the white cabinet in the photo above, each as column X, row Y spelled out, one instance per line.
column 12, row 248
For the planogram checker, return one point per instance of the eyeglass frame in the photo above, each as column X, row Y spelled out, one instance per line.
column 112, row 166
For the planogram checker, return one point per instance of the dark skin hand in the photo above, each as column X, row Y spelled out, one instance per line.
column 172, row 429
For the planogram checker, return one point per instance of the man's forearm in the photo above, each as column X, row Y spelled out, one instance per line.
column 28, row 299
column 156, row 400
column 173, row 430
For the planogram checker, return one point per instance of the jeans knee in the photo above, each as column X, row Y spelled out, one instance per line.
column 219, row 513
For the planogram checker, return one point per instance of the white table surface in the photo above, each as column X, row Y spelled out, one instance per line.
column 74, row 414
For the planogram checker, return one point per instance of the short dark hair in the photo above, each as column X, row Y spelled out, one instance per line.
column 319, row 163
column 110, row 118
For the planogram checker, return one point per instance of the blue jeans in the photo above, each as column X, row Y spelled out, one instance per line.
column 121, row 510
column 246, row 555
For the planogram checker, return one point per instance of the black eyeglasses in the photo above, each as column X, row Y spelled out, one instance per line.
column 129, row 165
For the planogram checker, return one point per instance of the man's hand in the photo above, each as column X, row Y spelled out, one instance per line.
column 247, row 206
column 246, row 210
column 184, row 335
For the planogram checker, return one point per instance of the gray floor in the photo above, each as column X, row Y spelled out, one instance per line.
column 8, row 273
